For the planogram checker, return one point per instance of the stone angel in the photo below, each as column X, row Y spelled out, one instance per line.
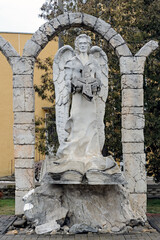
column 81, row 87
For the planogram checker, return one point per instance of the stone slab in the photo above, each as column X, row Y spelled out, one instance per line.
column 147, row 48
column 24, row 163
column 29, row 104
column 24, row 179
column 24, row 151
column 22, row 65
column 132, row 81
column 116, row 41
column 23, row 117
column 110, row 33
column 132, row 65
column 132, row 98
column 23, row 81
column 132, row 121
column 135, row 172
column 133, row 147
column 89, row 20
column 139, row 204
column 123, row 50
column 31, row 49
column 132, row 110
column 130, row 135
column 24, row 134
column 101, row 27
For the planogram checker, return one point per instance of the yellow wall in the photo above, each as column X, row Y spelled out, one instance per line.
column 18, row 41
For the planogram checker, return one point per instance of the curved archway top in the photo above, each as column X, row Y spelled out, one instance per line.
column 50, row 29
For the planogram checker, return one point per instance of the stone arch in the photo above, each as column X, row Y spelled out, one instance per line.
column 131, row 68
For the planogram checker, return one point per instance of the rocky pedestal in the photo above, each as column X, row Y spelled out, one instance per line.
column 82, row 208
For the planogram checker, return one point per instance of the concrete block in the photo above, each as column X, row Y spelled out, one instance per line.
column 55, row 24
column 24, row 134
column 89, row 20
column 132, row 110
column 29, row 104
column 132, row 65
column 22, row 81
column 132, row 147
column 31, row 49
column 135, row 172
column 101, row 27
column 24, row 151
column 19, row 204
column 18, row 99
column 116, row 41
column 133, row 81
column 132, row 98
column 111, row 32
column 24, row 163
column 23, row 117
column 24, row 179
column 132, row 135
column 131, row 121
column 123, row 50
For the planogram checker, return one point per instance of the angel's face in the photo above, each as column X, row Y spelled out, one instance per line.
column 83, row 45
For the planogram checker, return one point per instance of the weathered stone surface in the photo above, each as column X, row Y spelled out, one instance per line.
column 132, row 135
column 101, row 27
column 31, row 49
column 116, row 41
column 111, row 205
column 47, row 29
column 110, row 33
column 8, row 50
column 23, row 117
column 130, row 121
column 147, row 49
column 24, row 134
column 132, row 65
column 89, row 20
column 18, row 99
column 123, row 50
column 47, row 227
column 2, row 42
column 132, row 97
column 138, row 203
column 82, row 228
column 24, row 179
column 19, row 223
column 135, row 172
column 132, row 110
column 22, row 81
column 19, row 204
column 40, row 38
column 29, row 99
column 55, row 24
column 132, row 81
column 24, row 163
column 24, row 151
column 133, row 147
column 64, row 19
column 22, row 65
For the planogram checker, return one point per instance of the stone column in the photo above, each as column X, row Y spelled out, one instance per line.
column 132, row 69
column 24, row 127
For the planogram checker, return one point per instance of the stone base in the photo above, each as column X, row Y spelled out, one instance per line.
column 51, row 207
column 97, row 171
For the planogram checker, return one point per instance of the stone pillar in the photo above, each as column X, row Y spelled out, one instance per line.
column 24, row 127
column 132, row 69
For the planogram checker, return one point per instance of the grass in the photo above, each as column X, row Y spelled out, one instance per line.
column 7, row 206
column 153, row 205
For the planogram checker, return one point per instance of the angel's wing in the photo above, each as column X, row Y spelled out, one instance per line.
column 102, row 59
column 62, row 94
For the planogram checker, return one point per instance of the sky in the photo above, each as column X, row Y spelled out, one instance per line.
column 20, row 15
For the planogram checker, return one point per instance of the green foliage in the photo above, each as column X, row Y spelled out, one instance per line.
column 138, row 22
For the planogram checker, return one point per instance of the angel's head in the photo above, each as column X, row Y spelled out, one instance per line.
column 82, row 44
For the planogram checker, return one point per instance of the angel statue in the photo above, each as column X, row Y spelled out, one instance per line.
column 81, row 87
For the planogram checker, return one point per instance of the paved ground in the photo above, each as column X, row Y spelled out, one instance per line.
column 154, row 220
column 5, row 221
column 144, row 236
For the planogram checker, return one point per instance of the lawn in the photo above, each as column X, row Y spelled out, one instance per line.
column 7, row 206
column 153, row 206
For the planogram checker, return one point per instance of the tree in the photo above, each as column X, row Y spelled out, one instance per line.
column 137, row 21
